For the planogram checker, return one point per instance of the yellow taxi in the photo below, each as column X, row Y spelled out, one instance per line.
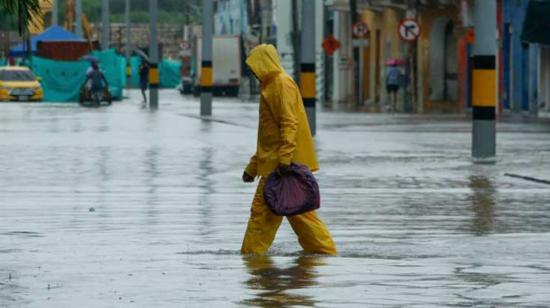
column 18, row 83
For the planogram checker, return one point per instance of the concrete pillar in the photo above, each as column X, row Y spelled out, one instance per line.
column 128, row 47
column 484, row 85
column 153, row 56
column 207, row 72
column 78, row 18
column 105, row 25
column 342, row 88
column 307, row 74
column 55, row 12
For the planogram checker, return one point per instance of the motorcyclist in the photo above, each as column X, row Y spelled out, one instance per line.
column 95, row 81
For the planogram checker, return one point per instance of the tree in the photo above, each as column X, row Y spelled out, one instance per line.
column 23, row 10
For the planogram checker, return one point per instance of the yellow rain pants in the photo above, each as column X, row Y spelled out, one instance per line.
column 313, row 234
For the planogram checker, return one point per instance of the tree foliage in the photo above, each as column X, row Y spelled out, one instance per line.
column 22, row 11
column 170, row 11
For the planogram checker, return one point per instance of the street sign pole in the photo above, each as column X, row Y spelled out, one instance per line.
column 307, row 57
column 207, row 73
column 153, row 56
column 356, row 70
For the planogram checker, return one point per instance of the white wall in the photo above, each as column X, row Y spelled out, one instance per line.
column 342, row 88
column 437, row 59
column 282, row 11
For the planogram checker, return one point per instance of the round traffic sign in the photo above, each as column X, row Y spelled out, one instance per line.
column 185, row 45
column 409, row 30
column 330, row 45
column 360, row 29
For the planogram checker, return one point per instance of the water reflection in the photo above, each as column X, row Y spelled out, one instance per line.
column 104, row 176
column 483, row 203
column 273, row 285
column 206, row 184
column 152, row 173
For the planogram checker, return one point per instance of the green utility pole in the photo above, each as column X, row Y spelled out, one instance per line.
column 307, row 58
column 207, row 72
column 153, row 56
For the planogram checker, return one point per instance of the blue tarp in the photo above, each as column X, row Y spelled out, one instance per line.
column 52, row 34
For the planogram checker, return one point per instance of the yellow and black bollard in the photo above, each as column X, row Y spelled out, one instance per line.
column 484, row 82
column 307, row 74
column 206, row 55
column 153, row 56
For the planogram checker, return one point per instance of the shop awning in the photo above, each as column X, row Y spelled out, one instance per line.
column 537, row 23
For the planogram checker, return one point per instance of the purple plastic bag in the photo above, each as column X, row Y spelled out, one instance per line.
column 294, row 193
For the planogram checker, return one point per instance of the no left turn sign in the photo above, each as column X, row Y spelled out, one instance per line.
column 409, row 30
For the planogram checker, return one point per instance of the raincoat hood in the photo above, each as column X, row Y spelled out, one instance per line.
column 264, row 61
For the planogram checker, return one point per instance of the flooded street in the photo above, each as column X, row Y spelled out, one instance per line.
column 121, row 206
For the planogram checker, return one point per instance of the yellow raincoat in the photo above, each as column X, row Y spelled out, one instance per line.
column 284, row 136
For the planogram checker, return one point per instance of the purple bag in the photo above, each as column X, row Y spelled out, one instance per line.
column 294, row 193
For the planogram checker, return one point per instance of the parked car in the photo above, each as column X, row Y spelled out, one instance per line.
column 18, row 83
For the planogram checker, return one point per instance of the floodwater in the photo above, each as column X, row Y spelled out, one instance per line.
column 121, row 206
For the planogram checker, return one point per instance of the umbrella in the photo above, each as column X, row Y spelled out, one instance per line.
column 89, row 58
column 394, row 62
column 142, row 54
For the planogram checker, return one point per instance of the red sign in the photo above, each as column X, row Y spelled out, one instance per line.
column 360, row 30
column 330, row 45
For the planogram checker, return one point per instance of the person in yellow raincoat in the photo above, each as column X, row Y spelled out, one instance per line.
column 284, row 137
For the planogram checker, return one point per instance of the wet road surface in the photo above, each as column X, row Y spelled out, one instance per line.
column 121, row 206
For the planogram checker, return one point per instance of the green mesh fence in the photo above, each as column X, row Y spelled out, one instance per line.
column 134, row 79
column 114, row 67
column 170, row 73
column 169, row 70
column 61, row 80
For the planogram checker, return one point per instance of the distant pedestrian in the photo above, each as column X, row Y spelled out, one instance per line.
column 393, row 77
column 143, row 71
column 284, row 137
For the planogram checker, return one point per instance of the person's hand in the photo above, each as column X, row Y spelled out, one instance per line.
column 283, row 169
column 247, row 178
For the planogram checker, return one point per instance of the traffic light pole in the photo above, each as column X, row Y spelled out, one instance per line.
column 484, row 85
column 153, row 56
column 307, row 57
column 207, row 72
